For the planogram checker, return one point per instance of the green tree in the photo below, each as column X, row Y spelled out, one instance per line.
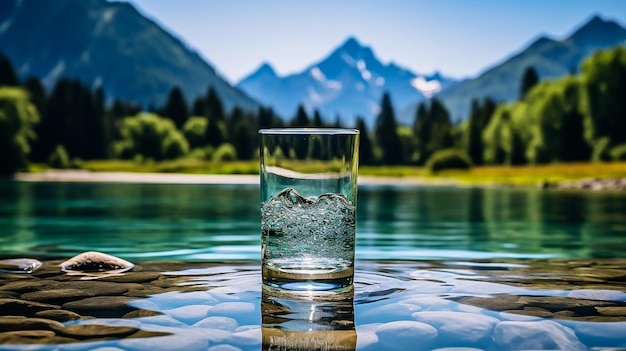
column 441, row 129
column 150, row 136
column 73, row 117
column 8, row 77
column 176, row 107
column 387, row 133
column 530, row 78
column 603, row 82
column 194, row 131
column 421, row 130
column 317, row 121
column 480, row 115
column 17, row 118
column 301, row 119
column 366, row 147
column 37, row 92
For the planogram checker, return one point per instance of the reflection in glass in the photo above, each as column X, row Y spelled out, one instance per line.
column 308, row 320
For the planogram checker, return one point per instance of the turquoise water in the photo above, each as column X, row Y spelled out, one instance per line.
column 438, row 268
column 221, row 222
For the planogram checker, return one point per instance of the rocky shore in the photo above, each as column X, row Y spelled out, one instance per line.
column 595, row 184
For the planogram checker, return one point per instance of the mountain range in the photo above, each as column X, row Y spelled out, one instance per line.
column 551, row 58
column 348, row 83
column 113, row 46
column 109, row 45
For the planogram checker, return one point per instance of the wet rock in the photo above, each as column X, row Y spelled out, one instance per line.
column 133, row 277
column 20, row 265
column 57, row 296
column 87, row 331
column 18, row 307
column 216, row 322
column 11, row 323
column 33, row 337
column 101, row 306
column 93, row 261
column 541, row 335
column 58, row 315
column 494, row 303
column 188, row 314
column 406, row 335
column 459, row 328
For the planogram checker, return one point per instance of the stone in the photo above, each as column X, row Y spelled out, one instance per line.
column 218, row 322
column 101, row 306
column 494, row 303
column 598, row 294
column 459, row 328
column 20, row 265
column 406, row 335
column 11, row 323
column 188, row 314
column 540, row 335
column 32, row 337
column 87, row 331
column 93, row 261
column 58, row 315
column 18, row 307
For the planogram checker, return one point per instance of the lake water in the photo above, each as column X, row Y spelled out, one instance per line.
column 221, row 222
column 438, row 268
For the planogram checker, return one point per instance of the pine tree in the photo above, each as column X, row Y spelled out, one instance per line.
column 301, row 119
column 530, row 78
column 176, row 107
column 366, row 149
column 387, row 134
column 8, row 77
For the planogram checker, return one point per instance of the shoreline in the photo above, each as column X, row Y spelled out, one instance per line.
column 84, row 176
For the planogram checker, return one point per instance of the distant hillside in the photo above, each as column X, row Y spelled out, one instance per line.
column 551, row 58
column 107, row 44
column 348, row 83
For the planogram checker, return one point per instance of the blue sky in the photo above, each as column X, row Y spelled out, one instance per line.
column 460, row 38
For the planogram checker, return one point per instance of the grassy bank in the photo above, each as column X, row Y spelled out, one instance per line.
column 514, row 175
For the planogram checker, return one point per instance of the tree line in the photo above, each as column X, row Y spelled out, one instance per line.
column 575, row 118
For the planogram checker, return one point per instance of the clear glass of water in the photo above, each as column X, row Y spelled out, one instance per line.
column 308, row 207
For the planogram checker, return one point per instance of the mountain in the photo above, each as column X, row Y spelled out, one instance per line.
column 349, row 82
column 107, row 44
column 551, row 58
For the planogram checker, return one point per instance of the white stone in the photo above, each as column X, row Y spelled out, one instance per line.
column 181, row 339
column 605, row 331
column 218, row 322
column 389, row 313
column 406, row 335
column 247, row 337
column 243, row 312
column 541, row 335
column 458, row 328
column 223, row 348
column 366, row 335
column 598, row 294
column 188, row 314
column 175, row 299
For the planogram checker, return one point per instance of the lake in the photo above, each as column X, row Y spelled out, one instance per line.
column 438, row 268
column 221, row 222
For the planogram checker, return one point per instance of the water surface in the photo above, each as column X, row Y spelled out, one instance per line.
column 221, row 222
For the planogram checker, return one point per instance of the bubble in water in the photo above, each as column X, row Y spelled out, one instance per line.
column 298, row 229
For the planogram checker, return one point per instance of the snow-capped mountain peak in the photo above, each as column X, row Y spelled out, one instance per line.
column 348, row 83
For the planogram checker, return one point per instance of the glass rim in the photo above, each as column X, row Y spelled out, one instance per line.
column 309, row 131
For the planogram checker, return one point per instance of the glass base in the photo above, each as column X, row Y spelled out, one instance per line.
column 333, row 281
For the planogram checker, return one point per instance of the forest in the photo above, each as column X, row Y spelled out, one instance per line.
column 580, row 117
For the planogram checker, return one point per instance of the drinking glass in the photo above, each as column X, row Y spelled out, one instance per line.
column 308, row 207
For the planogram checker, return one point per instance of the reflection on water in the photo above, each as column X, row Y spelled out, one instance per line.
column 308, row 321
column 221, row 222
column 418, row 305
